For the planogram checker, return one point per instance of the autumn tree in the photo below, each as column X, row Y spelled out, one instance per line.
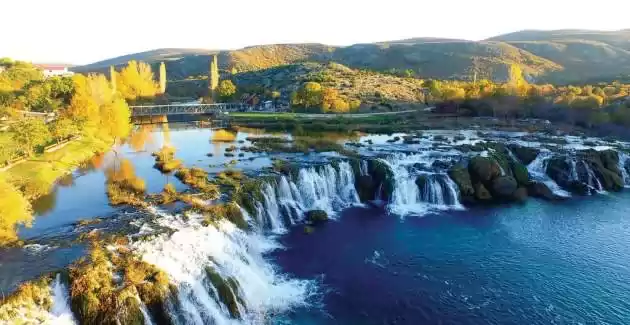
column 309, row 95
column 226, row 90
column 62, row 128
column 136, row 81
column 116, row 118
column 14, row 210
column 29, row 133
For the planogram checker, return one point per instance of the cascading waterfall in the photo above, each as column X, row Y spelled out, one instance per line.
column 438, row 192
column 363, row 168
column 145, row 312
column 538, row 171
column 192, row 250
column 624, row 166
column 61, row 313
column 592, row 181
column 316, row 188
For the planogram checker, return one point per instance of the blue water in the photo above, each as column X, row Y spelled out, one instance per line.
column 539, row 263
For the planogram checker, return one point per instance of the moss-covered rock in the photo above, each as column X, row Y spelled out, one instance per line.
column 504, row 187
column 542, row 191
column 521, row 174
column 225, row 291
column 316, row 217
column 365, row 187
column 383, row 177
column 525, row 154
column 459, row 174
column 481, row 192
column 483, row 169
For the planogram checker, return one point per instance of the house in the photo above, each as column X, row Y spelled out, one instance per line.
column 50, row 70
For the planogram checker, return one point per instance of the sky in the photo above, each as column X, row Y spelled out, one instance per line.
column 86, row 31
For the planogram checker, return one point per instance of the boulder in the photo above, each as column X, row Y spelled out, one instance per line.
column 316, row 217
column 542, row 191
column 520, row 195
column 459, row 174
column 525, row 154
column 481, row 192
column 383, row 177
column 440, row 164
column 610, row 160
column 504, row 186
column 483, row 169
column 421, row 182
column 610, row 180
column 365, row 187
column 520, row 173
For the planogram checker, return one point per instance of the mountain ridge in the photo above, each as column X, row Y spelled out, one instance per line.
column 546, row 56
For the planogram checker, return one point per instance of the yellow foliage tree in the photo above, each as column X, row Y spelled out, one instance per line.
column 14, row 210
column 136, row 81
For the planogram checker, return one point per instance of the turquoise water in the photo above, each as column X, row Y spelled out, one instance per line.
column 539, row 263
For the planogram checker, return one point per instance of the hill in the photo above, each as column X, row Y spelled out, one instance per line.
column 544, row 56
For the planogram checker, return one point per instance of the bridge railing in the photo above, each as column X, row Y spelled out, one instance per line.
column 184, row 109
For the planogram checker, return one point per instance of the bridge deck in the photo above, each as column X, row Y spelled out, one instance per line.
column 184, row 109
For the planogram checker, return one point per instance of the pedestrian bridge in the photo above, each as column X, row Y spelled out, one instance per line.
column 185, row 109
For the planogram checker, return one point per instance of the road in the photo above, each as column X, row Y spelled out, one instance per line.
column 332, row 116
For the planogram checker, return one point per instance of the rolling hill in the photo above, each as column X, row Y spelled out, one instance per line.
column 544, row 56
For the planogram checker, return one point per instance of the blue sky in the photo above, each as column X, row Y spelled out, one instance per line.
column 81, row 32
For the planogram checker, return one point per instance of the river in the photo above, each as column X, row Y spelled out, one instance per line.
column 421, row 258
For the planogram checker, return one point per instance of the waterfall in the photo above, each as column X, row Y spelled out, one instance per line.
column 192, row 251
column 363, row 168
column 624, row 166
column 438, row 191
column 145, row 312
column 315, row 188
column 271, row 210
column 61, row 313
column 592, row 180
column 538, row 171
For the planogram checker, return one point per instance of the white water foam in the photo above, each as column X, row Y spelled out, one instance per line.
column 230, row 252
column 323, row 188
column 538, row 171
column 624, row 161
column 439, row 192
column 60, row 312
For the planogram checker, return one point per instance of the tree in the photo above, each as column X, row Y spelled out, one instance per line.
column 84, row 109
column 136, row 82
column 309, row 95
column 14, row 210
column 226, row 90
column 29, row 133
column 116, row 118
column 62, row 128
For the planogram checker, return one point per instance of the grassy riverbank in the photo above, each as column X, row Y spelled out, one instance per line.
column 36, row 176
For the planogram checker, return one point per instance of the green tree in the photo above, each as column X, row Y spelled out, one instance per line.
column 226, row 90
column 62, row 128
column 29, row 133
column 310, row 94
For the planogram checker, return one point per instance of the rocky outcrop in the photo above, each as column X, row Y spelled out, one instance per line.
column 542, row 191
column 504, row 187
column 382, row 176
column 483, row 169
column 481, row 193
column 316, row 217
column 525, row 154
column 459, row 174
column 521, row 174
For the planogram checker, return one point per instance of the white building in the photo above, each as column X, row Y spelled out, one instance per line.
column 54, row 70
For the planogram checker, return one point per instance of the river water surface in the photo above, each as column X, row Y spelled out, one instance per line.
column 423, row 259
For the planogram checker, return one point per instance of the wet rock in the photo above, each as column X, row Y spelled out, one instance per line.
column 383, row 177
column 459, row 174
column 520, row 195
column 395, row 139
column 366, row 187
column 308, row 230
column 440, row 138
column 483, row 169
column 421, row 182
column 542, row 191
column 481, row 192
column 504, row 186
column 316, row 217
column 525, row 154
column 610, row 160
column 441, row 164
column 520, row 173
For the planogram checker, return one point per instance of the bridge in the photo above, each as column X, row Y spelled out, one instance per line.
column 185, row 109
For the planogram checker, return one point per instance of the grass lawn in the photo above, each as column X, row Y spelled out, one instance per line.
column 37, row 175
